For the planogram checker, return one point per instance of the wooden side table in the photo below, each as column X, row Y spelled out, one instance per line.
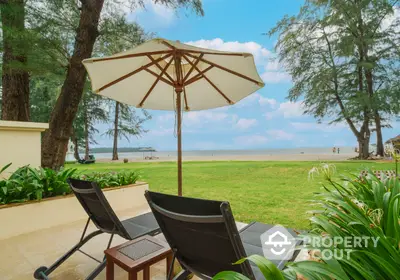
column 136, row 255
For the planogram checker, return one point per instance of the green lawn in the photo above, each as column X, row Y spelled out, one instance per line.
column 269, row 192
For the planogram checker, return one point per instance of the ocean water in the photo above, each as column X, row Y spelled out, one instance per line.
column 216, row 153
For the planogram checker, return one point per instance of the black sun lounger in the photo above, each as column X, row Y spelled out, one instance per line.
column 102, row 215
column 204, row 237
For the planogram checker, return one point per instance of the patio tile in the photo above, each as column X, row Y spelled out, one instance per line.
column 22, row 255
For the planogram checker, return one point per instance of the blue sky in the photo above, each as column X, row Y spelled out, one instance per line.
column 262, row 120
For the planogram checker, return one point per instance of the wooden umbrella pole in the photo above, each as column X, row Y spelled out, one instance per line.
column 179, row 123
column 178, row 90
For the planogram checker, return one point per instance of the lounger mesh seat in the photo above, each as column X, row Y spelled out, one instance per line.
column 102, row 215
column 204, row 236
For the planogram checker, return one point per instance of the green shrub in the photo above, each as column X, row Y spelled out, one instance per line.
column 370, row 209
column 367, row 208
column 112, row 179
column 28, row 183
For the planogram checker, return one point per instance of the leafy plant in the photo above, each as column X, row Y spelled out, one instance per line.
column 112, row 179
column 367, row 209
column 20, row 186
column 4, row 168
column 267, row 268
column 54, row 182
column 28, row 183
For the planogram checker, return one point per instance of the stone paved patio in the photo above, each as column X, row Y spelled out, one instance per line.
column 21, row 255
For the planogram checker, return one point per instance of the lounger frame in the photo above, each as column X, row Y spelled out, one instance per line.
column 225, row 217
column 111, row 226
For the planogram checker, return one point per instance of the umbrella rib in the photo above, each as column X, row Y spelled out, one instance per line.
column 131, row 73
column 191, row 69
column 209, row 81
column 155, row 83
column 228, row 70
column 127, row 56
column 159, row 67
column 161, row 78
column 168, row 45
column 202, row 52
column 198, row 76
column 215, row 53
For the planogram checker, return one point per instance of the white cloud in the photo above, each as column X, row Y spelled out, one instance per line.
column 198, row 119
column 244, row 124
column 255, row 98
column 287, row 110
column 250, row 100
column 259, row 52
column 203, row 118
column 166, row 117
column 311, row 126
column 267, row 101
column 275, row 73
column 279, row 134
column 273, row 77
column 269, row 115
column 291, row 109
column 392, row 20
column 158, row 13
column 161, row 131
column 263, row 57
column 273, row 65
column 251, row 140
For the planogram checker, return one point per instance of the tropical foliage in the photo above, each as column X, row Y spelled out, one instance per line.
column 112, row 179
column 28, row 183
column 45, row 41
column 343, row 59
column 367, row 208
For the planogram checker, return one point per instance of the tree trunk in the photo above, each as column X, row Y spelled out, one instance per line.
column 376, row 115
column 86, row 135
column 15, row 77
column 116, row 120
column 364, row 137
column 363, row 148
column 76, row 146
column 380, row 150
column 56, row 137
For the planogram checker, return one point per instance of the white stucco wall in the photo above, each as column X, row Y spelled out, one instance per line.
column 20, row 144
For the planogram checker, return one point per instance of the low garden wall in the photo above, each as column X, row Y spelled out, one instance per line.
column 20, row 144
column 21, row 218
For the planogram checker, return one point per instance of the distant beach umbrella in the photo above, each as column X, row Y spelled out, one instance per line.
column 168, row 75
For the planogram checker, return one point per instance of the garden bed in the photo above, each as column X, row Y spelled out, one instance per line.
column 21, row 218
column 30, row 184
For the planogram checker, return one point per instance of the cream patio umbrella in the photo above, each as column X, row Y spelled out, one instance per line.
column 168, row 75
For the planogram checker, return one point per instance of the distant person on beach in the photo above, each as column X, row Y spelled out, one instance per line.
column 338, row 150
column 334, row 150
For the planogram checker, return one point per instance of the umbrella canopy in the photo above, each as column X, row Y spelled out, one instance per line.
column 168, row 75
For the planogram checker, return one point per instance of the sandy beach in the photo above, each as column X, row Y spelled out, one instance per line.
column 265, row 157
